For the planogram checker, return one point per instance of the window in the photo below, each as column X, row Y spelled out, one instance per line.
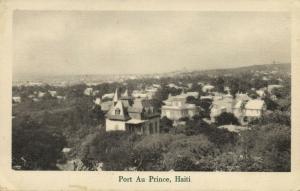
column 117, row 111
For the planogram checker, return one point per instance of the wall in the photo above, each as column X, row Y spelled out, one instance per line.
column 154, row 122
column 252, row 113
column 115, row 125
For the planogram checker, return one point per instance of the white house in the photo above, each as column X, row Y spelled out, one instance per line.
column 139, row 117
column 16, row 99
column 176, row 107
column 246, row 111
column 97, row 101
column 95, row 92
column 88, row 91
column 41, row 94
column 261, row 93
column 52, row 93
column 254, row 109
column 108, row 96
column 220, row 105
column 207, row 88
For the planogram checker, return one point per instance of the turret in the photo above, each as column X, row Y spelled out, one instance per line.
column 116, row 97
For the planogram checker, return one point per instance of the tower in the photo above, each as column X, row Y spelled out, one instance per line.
column 116, row 97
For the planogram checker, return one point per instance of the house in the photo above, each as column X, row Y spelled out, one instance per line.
column 88, row 91
column 60, row 97
column 108, row 96
column 172, row 85
column 66, row 150
column 97, row 101
column 35, row 99
column 16, row 99
column 207, row 88
column 265, row 78
column 41, row 94
column 261, row 93
column 176, row 107
column 227, row 89
column 246, row 111
column 148, row 93
column 156, row 86
column 31, row 96
column 95, row 92
column 139, row 116
column 242, row 97
column 52, row 93
column 220, row 105
column 209, row 97
column 151, row 91
column 254, row 109
column 139, row 94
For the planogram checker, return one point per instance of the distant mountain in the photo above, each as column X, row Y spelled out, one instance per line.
column 99, row 78
column 265, row 67
column 279, row 68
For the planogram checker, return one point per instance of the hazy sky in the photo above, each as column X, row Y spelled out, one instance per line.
column 101, row 42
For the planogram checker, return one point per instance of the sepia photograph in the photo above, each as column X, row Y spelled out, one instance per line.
column 151, row 91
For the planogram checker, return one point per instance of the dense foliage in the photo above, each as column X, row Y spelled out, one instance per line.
column 42, row 129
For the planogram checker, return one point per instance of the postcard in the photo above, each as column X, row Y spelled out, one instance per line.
column 149, row 95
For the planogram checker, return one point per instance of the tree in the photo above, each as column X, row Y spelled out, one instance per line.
column 193, row 153
column 271, row 105
column 205, row 105
column 279, row 117
column 226, row 119
column 219, row 84
column 165, row 125
column 35, row 147
column 195, row 126
column 149, row 152
column 269, row 145
column 113, row 149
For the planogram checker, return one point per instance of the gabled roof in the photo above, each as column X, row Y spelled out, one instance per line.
column 125, row 94
column 142, row 103
column 123, row 114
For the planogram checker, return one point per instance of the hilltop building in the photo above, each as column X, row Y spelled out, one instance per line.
column 207, row 88
column 176, row 107
column 247, row 110
column 133, row 115
column 52, row 93
column 16, row 99
column 88, row 91
column 108, row 96
column 97, row 101
column 243, row 107
column 221, row 104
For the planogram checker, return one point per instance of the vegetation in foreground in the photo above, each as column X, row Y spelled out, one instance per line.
column 40, row 133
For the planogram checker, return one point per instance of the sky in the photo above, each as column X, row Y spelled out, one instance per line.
column 121, row 42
